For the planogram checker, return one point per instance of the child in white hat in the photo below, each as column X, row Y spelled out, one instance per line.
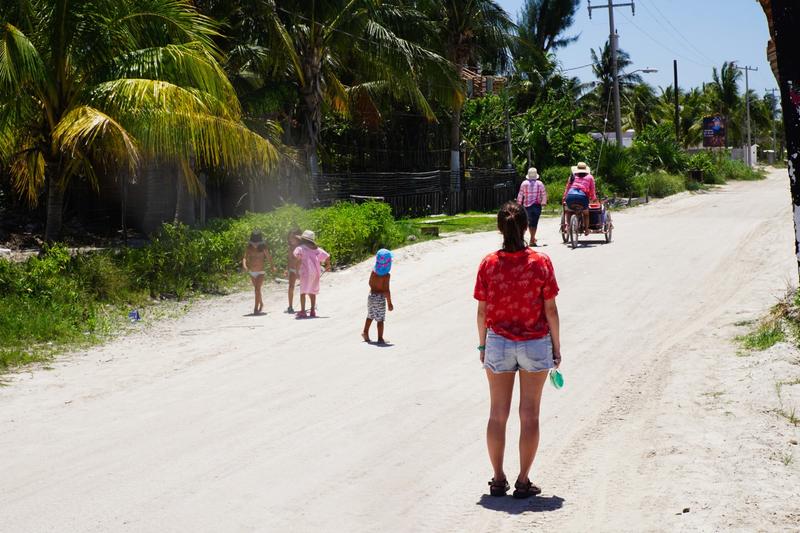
column 312, row 258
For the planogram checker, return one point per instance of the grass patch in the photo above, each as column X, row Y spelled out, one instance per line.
column 767, row 334
column 56, row 301
column 461, row 223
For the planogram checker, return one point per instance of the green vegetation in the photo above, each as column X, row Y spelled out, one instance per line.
column 767, row 334
column 58, row 299
column 781, row 324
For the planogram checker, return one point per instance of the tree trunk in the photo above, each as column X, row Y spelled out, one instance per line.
column 184, row 203
column 455, row 150
column 785, row 23
column 311, row 94
column 55, row 210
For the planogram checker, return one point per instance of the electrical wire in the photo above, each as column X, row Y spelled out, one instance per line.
column 681, row 35
column 662, row 45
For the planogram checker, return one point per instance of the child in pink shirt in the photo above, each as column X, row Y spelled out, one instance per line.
column 312, row 258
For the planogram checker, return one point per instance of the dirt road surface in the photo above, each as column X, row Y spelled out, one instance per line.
column 223, row 422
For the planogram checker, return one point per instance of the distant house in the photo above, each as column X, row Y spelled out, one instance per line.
column 627, row 137
column 479, row 85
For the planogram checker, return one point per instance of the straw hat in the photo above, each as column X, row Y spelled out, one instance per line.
column 309, row 236
column 533, row 174
column 581, row 168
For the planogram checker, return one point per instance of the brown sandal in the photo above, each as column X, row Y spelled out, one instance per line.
column 525, row 490
column 499, row 488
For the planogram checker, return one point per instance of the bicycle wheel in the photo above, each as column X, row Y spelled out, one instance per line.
column 609, row 228
column 574, row 231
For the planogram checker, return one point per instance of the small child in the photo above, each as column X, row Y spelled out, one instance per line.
column 379, row 294
column 253, row 263
column 293, row 265
column 311, row 258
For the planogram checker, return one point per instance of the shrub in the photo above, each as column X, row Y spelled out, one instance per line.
column 662, row 184
column 616, row 169
column 556, row 174
column 737, row 170
column 655, row 148
column 705, row 162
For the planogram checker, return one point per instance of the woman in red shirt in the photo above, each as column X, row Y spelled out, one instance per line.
column 517, row 330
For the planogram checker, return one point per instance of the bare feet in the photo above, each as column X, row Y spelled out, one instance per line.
column 382, row 341
column 365, row 336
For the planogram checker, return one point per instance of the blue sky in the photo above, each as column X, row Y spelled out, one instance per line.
column 702, row 34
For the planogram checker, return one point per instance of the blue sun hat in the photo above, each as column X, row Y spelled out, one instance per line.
column 383, row 262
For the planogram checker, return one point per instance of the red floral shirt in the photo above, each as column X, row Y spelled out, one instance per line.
column 514, row 286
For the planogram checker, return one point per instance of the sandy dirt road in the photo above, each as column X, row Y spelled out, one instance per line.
column 223, row 422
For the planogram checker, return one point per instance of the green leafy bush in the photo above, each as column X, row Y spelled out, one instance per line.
column 655, row 148
column 706, row 163
column 555, row 174
column 662, row 184
column 616, row 169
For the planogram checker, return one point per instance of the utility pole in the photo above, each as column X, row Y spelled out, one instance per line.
column 613, row 40
column 509, row 154
column 677, row 106
column 774, row 141
column 747, row 70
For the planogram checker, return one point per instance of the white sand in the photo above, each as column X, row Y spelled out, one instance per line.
column 223, row 422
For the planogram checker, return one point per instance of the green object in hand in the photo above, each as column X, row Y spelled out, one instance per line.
column 556, row 378
column 482, row 347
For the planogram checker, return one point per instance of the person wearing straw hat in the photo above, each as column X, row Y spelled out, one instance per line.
column 532, row 196
column 312, row 259
column 580, row 190
column 253, row 261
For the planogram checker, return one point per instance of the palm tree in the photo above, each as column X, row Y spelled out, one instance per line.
column 470, row 33
column 348, row 53
column 90, row 88
column 642, row 107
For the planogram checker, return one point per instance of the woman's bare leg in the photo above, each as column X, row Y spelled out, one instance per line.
column 532, row 230
column 530, row 398
column 313, row 301
column 501, row 387
column 292, row 281
column 259, row 298
column 302, row 303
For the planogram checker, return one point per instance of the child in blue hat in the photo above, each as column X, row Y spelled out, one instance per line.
column 379, row 295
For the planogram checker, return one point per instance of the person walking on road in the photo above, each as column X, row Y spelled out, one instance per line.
column 532, row 195
column 518, row 330
column 312, row 259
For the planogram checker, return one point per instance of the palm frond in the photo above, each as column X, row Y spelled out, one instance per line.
column 20, row 63
column 187, row 65
column 27, row 171
column 87, row 129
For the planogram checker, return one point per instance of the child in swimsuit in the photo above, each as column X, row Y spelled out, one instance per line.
column 311, row 258
column 292, row 265
column 253, row 263
column 379, row 295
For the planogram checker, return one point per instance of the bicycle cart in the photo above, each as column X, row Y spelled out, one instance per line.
column 599, row 222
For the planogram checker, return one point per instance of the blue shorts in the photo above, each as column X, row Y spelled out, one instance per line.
column 504, row 355
column 577, row 197
column 534, row 211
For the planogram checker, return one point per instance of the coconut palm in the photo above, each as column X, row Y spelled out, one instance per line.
column 91, row 88
column 347, row 54
column 597, row 100
column 470, row 33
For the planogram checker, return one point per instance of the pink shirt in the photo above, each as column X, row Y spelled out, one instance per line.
column 583, row 183
column 310, row 265
column 532, row 192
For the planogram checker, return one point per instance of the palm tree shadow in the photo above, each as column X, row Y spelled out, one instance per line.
column 537, row 504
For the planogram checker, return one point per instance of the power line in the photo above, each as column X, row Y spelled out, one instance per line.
column 681, row 35
column 662, row 45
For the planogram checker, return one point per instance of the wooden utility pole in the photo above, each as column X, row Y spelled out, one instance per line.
column 784, row 17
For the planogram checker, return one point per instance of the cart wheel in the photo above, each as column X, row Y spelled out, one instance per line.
column 564, row 229
column 573, row 231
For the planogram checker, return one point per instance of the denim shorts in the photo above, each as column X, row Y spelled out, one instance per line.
column 504, row 355
column 533, row 211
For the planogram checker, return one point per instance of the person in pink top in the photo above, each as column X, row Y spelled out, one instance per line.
column 312, row 259
column 580, row 190
column 532, row 196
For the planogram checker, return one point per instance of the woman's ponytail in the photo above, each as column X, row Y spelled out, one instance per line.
column 512, row 221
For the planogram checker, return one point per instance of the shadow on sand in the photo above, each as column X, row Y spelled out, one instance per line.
column 507, row 504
